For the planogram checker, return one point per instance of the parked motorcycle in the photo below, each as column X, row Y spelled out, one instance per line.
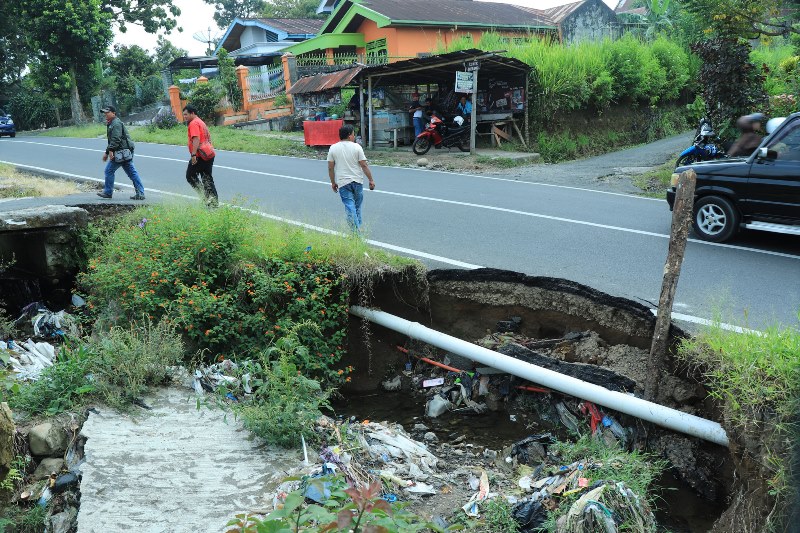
column 439, row 135
column 706, row 146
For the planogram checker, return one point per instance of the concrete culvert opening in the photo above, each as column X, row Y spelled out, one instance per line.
column 562, row 325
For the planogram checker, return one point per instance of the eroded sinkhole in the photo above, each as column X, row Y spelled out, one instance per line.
column 606, row 338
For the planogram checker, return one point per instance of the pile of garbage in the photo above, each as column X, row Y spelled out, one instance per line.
column 49, row 324
column 450, row 389
column 365, row 452
column 29, row 359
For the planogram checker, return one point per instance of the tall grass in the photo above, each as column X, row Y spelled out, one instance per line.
column 778, row 63
column 756, row 376
column 595, row 74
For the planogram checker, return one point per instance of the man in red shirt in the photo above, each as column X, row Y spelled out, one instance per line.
column 200, row 165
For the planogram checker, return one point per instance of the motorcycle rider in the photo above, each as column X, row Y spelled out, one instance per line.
column 750, row 138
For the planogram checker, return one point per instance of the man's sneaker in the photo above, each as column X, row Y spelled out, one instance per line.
column 103, row 195
column 138, row 197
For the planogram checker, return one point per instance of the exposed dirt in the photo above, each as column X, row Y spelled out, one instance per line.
column 557, row 319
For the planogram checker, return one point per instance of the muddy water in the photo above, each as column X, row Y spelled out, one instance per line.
column 680, row 510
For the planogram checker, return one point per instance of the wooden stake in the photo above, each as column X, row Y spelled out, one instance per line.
column 679, row 234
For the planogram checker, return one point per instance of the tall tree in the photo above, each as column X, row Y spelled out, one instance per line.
column 68, row 36
column 291, row 9
column 132, row 61
column 746, row 18
column 166, row 52
column 14, row 49
column 152, row 15
column 227, row 10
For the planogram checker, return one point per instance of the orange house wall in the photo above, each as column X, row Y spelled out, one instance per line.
column 410, row 41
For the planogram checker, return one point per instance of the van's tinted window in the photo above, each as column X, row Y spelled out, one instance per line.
column 787, row 144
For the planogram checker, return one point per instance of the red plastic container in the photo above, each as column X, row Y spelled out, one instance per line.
column 322, row 133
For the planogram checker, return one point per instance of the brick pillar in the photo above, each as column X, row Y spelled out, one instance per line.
column 175, row 101
column 202, row 79
column 329, row 56
column 241, row 76
column 289, row 74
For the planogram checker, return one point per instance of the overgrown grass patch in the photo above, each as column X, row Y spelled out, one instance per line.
column 115, row 366
column 756, row 377
column 227, row 138
column 224, row 138
column 86, row 131
column 234, row 282
column 654, row 182
column 16, row 184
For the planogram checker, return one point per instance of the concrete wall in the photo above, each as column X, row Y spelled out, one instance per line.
column 592, row 21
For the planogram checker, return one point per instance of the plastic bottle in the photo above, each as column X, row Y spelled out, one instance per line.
column 616, row 429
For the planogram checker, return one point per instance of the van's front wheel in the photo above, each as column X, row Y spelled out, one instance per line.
column 715, row 219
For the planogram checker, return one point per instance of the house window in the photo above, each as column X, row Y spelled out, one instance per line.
column 271, row 37
column 377, row 52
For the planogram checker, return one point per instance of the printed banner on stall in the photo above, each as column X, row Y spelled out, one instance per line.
column 465, row 82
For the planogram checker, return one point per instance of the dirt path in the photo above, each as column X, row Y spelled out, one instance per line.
column 609, row 172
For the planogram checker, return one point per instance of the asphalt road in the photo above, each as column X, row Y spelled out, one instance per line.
column 614, row 242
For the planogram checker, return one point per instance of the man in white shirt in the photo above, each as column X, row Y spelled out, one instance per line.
column 347, row 166
column 417, row 117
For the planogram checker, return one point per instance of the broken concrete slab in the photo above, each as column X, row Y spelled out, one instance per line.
column 175, row 468
column 43, row 217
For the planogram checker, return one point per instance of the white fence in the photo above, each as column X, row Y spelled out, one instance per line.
column 265, row 82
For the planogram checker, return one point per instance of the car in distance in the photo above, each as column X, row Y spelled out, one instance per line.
column 7, row 126
column 760, row 192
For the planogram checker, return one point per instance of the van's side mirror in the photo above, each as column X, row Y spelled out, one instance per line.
column 766, row 153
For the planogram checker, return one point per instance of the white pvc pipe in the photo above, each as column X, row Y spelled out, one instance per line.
column 624, row 403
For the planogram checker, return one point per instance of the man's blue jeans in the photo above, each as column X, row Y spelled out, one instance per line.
column 352, row 196
column 130, row 170
column 419, row 126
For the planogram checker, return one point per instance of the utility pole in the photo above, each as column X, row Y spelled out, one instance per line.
column 679, row 234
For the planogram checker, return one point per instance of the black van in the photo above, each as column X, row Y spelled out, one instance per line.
column 759, row 192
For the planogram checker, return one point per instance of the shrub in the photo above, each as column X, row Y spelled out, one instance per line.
column 284, row 403
column 754, row 374
column 129, row 359
column 636, row 72
column 206, row 97
column 789, row 65
column 61, row 387
column 674, row 60
column 782, row 105
column 165, row 121
column 730, row 81
column 595, row 74
column 227, row 77
column 207, row 270
column 116, row 367
column 32, row 109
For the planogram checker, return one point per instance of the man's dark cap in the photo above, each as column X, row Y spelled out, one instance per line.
column 108, row 108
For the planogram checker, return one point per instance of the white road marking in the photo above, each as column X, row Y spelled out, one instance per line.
column 707, row 322
column 463, row 174
column 380, row 244
column 470, row 204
